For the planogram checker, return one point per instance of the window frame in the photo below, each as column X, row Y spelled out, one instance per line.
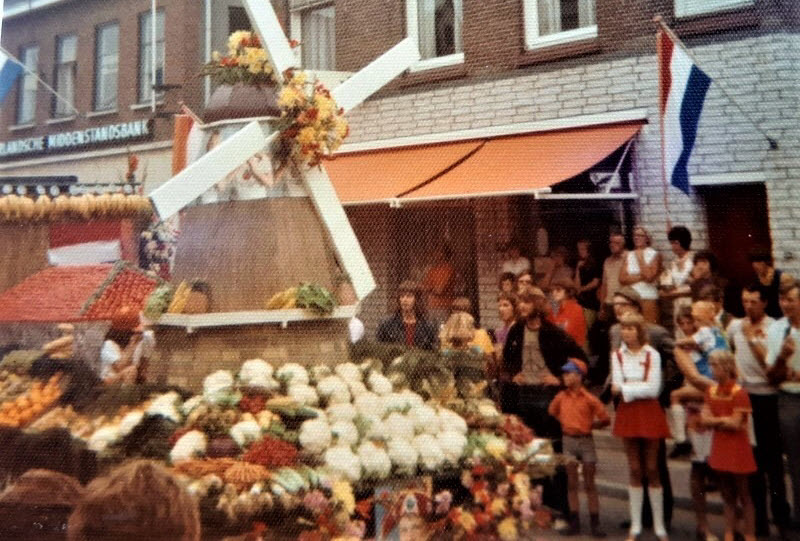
column 689, row 8
column 57, row 65
column 27, row 85
column 412, row 31
column 533, row 40
column 143, row 88
column 296, row 31
column 99, row 29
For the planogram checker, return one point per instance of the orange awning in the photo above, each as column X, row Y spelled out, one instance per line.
column 525, row 163
column 364, row 177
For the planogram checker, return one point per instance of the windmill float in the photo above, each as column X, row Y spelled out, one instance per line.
column 248, row 244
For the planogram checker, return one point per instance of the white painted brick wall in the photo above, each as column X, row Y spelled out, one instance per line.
column 761, row 73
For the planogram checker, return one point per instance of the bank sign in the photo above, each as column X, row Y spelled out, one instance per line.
column 90, row 137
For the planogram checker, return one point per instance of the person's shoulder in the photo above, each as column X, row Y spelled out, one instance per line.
column 736, row 325
column 778, row 326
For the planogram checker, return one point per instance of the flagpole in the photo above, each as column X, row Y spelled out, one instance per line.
column 664, row 180
column 61, row 98
column 658, row 19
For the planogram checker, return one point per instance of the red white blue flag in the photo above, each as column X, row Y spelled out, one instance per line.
column 682, row 93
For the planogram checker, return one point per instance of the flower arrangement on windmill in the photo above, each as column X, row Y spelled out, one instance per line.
column 246, row 62
column 157, row 247
column 311, row 125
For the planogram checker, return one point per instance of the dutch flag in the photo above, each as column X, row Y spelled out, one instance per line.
column 682, row 93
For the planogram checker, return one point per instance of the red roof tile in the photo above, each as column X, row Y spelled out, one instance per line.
column 54, row 294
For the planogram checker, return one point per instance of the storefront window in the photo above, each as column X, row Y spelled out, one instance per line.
column 318, row 38
column 550, row 22
column 106, row 67
column 146, row 54
column 26, row 106
column 66, row 66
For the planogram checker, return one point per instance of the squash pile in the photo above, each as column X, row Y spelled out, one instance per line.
column 27, row 407
column 20, row 208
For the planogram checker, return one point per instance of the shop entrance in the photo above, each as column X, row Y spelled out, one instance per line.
column 738, row 221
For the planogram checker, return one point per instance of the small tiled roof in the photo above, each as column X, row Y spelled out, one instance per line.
column 54, row 294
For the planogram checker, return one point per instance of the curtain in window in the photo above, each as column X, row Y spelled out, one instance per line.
column 27, row 100
column 318, row 35
column 586, row 13
column 549, row 16
column 426, row 17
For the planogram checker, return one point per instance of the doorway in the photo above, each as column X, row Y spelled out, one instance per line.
column 738, row 221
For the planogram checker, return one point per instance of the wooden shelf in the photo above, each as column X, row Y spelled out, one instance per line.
column 254, row 317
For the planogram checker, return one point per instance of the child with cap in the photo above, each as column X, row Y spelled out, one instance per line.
column 579, row 412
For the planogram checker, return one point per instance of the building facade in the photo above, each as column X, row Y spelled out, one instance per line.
column 493, row 72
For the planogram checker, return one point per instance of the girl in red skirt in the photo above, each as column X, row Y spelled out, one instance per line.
column 725, row 411
column 639, row 420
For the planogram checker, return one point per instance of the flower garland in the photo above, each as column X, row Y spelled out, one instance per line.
column 246, row 62
column 157, row 247
column 311, row 124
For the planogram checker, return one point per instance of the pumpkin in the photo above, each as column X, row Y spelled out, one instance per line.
column 27, row 208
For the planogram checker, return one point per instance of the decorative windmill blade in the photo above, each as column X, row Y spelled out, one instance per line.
column 207, row 171
column 346, row 243
column 270, row 31
column 355, row 90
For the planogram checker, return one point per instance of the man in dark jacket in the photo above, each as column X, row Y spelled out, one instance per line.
column 408, row 325
column 534, row 352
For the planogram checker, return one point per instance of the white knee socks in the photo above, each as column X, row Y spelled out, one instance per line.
column 677, row 421
column 635, row 497
column 657, row 505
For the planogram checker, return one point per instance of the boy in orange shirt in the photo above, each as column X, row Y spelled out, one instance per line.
column 579, row 412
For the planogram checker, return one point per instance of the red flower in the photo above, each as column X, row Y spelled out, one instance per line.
column 293, row 43
column 271, row 453
column 252, row 403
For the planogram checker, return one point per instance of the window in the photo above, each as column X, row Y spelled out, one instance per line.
column 64, row 79
column 26, row 100
column 687, row 8
column 551, row 22
column 238, row 20
column 318, row 38
column 437, row 24
column 146, row 54
column 106, row 67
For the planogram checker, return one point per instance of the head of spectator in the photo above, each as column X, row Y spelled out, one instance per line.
column 633, row 330
column 584, row 247
column 754, row 302
column 409, row 299
column 38, row 504
column 506, row 307
column 641, row 237
column 562, row 290
column 512, row 251
column 712, row 293
column 790, row 298
column 703, row 313
column 680, row 240
column 723, row 365
column 761, row 261
column 125, row 323
column 626, row 300
column 538, row 300
column 461, row 304
column 560, row 256
column 616, row 243
column 574, row 370
column 685, row 321
column 136, row 501
column 508, row 283
column 458, row 331
column 705, row 265
column 531, row 303
column 524, row 282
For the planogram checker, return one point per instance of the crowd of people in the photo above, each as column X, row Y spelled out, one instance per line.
column 653, row 340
